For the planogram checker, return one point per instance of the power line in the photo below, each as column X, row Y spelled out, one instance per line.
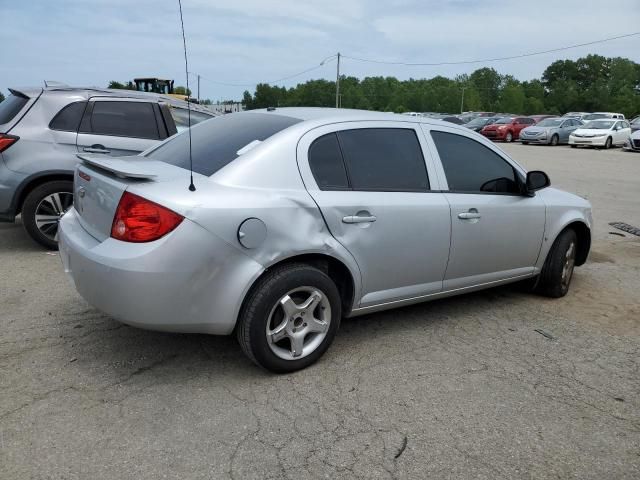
column 288, row 77
column 487, row 60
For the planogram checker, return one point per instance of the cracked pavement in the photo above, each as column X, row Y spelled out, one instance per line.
column 457, row 388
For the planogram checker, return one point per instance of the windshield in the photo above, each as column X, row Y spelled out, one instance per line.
column 550, row 122
column 10, row 107
column 600, row 124
column 635, row 121
column 479, row 121
column 504, row 121
column 181, row 118
column 215, row 143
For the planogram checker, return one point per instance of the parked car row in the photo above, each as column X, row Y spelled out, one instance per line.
column 43, row 129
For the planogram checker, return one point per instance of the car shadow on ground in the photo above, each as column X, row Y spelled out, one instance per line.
column 108, row 348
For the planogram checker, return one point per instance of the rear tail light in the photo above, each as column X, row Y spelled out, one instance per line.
column 140, row 220
column 6, row 141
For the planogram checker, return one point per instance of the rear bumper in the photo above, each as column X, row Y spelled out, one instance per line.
column 187, row 281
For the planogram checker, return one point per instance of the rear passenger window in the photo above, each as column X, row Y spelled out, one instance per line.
column 384, row 159
column 471, row 167
column 124, row 119
column 325, row 160
column 68, row 119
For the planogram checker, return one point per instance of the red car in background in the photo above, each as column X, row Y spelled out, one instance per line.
column 507, row 128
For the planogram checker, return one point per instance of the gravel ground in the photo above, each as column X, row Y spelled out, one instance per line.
column 458, row 388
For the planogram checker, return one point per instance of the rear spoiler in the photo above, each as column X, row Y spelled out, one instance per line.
column 123, row 167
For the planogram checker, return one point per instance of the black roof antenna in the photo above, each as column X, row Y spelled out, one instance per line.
column 192, row 187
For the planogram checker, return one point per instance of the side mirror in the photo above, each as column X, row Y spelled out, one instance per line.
column 537, row 180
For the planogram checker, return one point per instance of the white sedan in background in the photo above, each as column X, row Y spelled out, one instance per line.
column 601, row 133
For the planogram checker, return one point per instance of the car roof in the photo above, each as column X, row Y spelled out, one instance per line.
column 331, row 115
column 88, row 92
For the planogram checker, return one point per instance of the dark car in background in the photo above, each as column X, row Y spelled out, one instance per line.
column 479, row 123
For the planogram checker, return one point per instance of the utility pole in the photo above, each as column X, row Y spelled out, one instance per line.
column 338, row 83
column 462, row 101
column 198, row 88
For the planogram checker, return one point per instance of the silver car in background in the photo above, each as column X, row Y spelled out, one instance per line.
column 302, row 216
column 550, row 131
column 43, row 129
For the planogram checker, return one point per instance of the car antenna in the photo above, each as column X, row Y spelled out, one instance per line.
column 192, row 187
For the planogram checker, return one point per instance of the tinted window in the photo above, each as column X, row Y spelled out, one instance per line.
column 10, row 107
column 325, row 160
column 384, row 159
column 472, row 167
column 216, row 141
column 68, row 119
column 124, row 119
column 525, row 121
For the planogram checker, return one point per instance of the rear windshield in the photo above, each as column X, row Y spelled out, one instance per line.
column 10, row 107
column 216, row 141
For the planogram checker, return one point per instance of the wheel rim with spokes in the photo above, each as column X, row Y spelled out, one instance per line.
column 569, row 263
column 298, row 323
column 49, row 211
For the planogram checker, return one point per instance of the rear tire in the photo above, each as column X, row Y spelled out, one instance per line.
column 558, row 268
column 42, row 209
column 276, row 331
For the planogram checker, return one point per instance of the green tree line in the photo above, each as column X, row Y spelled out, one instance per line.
column 591, row 83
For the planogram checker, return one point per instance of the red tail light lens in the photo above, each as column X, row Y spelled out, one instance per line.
column 140, row 220
column 6, row 141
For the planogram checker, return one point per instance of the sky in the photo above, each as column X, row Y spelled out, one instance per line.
column 244, row 42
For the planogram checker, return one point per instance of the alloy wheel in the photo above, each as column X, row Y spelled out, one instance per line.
column 298, row 323
column 49, row 211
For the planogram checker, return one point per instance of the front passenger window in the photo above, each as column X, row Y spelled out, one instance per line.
column 471, row 167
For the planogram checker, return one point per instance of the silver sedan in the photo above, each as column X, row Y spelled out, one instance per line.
column 301, row 217
column 550, row 131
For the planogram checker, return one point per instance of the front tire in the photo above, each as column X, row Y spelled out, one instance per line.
column 607, row 144
column 289, row 318
column 509, row 137
column 42, row 209
column 555, row 140
column 558, row 268
column 525, row 143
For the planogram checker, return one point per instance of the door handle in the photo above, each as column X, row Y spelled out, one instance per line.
column 470, row 215
column 96, row 149
column 359, row 219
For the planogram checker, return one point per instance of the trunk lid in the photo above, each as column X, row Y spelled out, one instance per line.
column 100, row 181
